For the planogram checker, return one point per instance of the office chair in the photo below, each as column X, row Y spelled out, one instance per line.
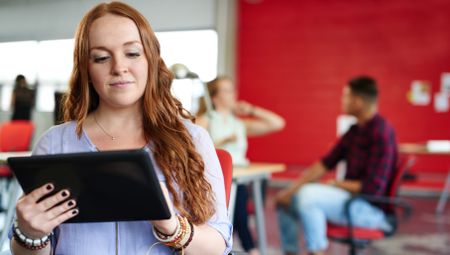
column 14, row 136
column 357, row 237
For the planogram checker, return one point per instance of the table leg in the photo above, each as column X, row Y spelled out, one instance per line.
column 259, row 214
column 232, row 202
column 444, row 196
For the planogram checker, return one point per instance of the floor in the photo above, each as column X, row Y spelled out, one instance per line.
column 424, row 233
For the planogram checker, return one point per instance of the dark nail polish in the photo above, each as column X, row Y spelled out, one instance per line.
column 64, row 194
column 49, row 187
column 70, row 203
column 74, row 212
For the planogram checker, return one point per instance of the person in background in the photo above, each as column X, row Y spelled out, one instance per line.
column 229, row 132
column 119, row 98
column 22, row 100
column 370, row 150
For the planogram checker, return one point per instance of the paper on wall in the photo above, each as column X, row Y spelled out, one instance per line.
column 420, row 93
column 441, row 103
column 445, row 83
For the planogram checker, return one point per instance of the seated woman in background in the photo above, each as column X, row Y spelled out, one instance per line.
column 229, row 132
column 22, row 100
column 119, row 98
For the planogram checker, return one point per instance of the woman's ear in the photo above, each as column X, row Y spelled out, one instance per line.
column 214, row 101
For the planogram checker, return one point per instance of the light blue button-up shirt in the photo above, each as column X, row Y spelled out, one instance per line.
column 133, row 237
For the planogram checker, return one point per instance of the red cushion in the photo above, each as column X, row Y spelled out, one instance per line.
column 342, row 232
column 16, row 135
column 5, row 172
column 226, row 163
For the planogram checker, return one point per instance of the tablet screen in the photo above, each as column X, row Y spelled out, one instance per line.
column 107, row 185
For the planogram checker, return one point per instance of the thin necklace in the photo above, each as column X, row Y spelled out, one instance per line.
column 104, row 131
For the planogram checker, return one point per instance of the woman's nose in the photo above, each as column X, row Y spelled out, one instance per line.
column 119, row 66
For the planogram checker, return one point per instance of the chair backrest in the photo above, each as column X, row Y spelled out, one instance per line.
column 404, row 163
column 16, row 135
column 226, row 163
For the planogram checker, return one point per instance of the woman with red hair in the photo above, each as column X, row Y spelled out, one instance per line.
column 119, row 98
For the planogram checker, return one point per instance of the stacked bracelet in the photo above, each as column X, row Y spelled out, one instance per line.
column 191, row 235
column 29, row 243
column 182, row 236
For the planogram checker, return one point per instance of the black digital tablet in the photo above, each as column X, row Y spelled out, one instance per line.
column 108, row 186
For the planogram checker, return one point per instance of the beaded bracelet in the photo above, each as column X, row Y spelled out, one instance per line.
column 167, row 236
column 182, row 236
column 29, row 243
column 164, row 238
column 189, row 240
column 186, row 229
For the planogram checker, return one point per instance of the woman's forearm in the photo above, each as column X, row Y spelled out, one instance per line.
column 206, row 240
column 16, row 249
column 263, row 122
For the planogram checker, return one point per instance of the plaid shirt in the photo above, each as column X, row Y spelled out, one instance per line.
column 371, row 155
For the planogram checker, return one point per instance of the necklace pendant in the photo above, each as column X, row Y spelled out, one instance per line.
column 113, row 138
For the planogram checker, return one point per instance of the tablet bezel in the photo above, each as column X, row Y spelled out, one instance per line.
column 93, row 177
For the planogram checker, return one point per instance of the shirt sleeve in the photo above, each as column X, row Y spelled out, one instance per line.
column 43, row 146
column 213, row 173
column 338, row 152
column 381, row 163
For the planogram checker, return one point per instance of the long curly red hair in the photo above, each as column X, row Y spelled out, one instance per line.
column 173, row 149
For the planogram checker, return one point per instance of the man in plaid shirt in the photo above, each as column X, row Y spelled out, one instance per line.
column 370, row 150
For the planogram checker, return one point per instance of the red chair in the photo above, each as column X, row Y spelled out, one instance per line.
column 227, row 169
column 14, row 136
column 358, row 238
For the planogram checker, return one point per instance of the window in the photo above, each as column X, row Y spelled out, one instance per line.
column 198, row 50
column 16, row 58
column 49, row 63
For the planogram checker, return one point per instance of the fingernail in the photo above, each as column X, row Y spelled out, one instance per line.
column 71, row 203
column 64, row 194
column 75, row 212
column 49, row 187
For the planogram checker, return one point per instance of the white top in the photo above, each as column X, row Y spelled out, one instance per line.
column 223, row 126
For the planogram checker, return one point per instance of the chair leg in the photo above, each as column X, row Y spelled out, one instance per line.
column 444, row 196
column 353, row 250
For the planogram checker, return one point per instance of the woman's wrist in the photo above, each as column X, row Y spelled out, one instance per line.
column 182, row 236
column 27, row 241
column 167, row 227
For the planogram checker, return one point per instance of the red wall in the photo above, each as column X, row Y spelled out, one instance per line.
column 295, row 56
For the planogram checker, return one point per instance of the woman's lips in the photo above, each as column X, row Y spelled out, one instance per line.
column 120, row 83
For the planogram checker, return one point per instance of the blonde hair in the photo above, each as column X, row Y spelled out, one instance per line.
column 213, row 88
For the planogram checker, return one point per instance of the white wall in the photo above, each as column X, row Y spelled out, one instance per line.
column 58, row 19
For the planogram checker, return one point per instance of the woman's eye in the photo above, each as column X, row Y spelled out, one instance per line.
column 133, row 54
column 101, row 59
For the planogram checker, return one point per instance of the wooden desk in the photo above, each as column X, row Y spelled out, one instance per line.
column 5, row 155
column 418, row 149
column 254, row 174
column 421, row 149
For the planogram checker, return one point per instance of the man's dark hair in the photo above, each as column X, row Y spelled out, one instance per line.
column 365, row 87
